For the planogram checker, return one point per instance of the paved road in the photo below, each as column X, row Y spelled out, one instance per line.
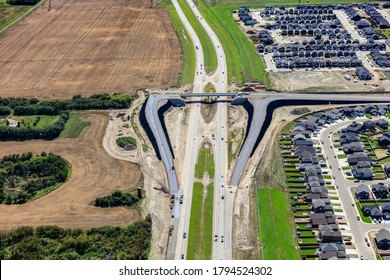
column 192, row 141
column 223, row 201
column 357, row 229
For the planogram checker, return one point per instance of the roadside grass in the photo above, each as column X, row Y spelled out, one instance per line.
column 286, row 129
column 29, row 120
column 74, row 125
column 210, row 57
column 276, row 225
column 187, row 46
column 201, row 223
column 384, row 32
column 243, row 62
column 209, row 88
column 9, row 13
column 205, row 163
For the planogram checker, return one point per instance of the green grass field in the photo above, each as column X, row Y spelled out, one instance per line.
column 8, row 13
column 188, row 51
column 74, row 125
column 44, row 121
column 210, row 57
column 205, row 163
column 201, row 223
column 243, row 62
column 276, row 226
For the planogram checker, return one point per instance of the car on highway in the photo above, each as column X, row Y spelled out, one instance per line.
column 366, row 239
column 368, row 244
column 353, row 204
column 358, row 218
column 184, row 234
column 222, row 197
column 182, row 256
column 222, row 238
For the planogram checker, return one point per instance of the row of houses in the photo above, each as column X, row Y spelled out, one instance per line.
column 375, row 16
column 379, row 191
column 246, row 17
column 322, row 218
column 315, row 63
column 380, row 59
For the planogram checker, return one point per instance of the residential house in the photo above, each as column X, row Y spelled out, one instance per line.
column 384, row 140
column 329, row 233
column 360, row 111
column 383, row 239
column 369, row 125
column 331, row 250
column 386, row 210
column 349, row 138
column 372, row 211
column 362, row 173
column 386, row 168
column 320, row 206
column 382, row 123
column 380, row 190
column 362, row 192
column 355, row 127
column 355, row 158
column 326, row 218
column 349, row 112
column 300, row 149
column 353, row 147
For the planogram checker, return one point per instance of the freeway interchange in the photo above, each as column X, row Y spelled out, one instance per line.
column 263, row 106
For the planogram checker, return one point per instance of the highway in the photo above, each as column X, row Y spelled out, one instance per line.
column 223, row 200
column 357, row 229
column 192, row 142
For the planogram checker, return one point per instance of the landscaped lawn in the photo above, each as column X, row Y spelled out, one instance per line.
column 341, row 156
column 74, row 125
column 201, row 223
column 276, row 225
column 44, row 120
column 362, row 217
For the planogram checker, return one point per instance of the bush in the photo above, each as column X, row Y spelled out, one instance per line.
column 22, row 2
column 123, row 141
column 116, row 199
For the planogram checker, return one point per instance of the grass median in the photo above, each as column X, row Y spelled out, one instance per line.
column 201, row 223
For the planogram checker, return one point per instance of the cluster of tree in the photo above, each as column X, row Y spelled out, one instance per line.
column 28, row 133
column 22, row 176
column 55, row 243
column 126, row 140
column 116, row 199
column 5, row 110
column 22, row 2
column 23, row 106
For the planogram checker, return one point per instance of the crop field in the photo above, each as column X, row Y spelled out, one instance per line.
column 88, row 47
column 94, row 174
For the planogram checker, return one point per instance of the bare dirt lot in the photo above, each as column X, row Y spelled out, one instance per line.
column 87, row 47
column 94, row 174
column 325, row 81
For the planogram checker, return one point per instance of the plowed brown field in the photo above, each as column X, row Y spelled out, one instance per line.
column 87, row 47
column 94, row 174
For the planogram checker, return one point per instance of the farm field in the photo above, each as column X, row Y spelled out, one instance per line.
column 94, row 174
column 89, row 47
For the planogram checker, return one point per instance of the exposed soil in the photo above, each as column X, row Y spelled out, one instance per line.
column 87, row 47
column 208, row 111
column 94, row 174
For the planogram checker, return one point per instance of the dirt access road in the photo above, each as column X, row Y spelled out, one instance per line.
column 94, row 174
column 87, row 47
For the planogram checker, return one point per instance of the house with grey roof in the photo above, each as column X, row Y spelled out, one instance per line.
column 349, row 138
column 329, row 233
column 384, row 140
column 382, row 239
column 372, row 211
column 380, row 190
column 386, row 210
column 369, row 125
column 331, row 250
column 353, row 147
column 362, row 173
column 382, row 123
column 320, row 206
column 362, row 191
column 355, row 158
